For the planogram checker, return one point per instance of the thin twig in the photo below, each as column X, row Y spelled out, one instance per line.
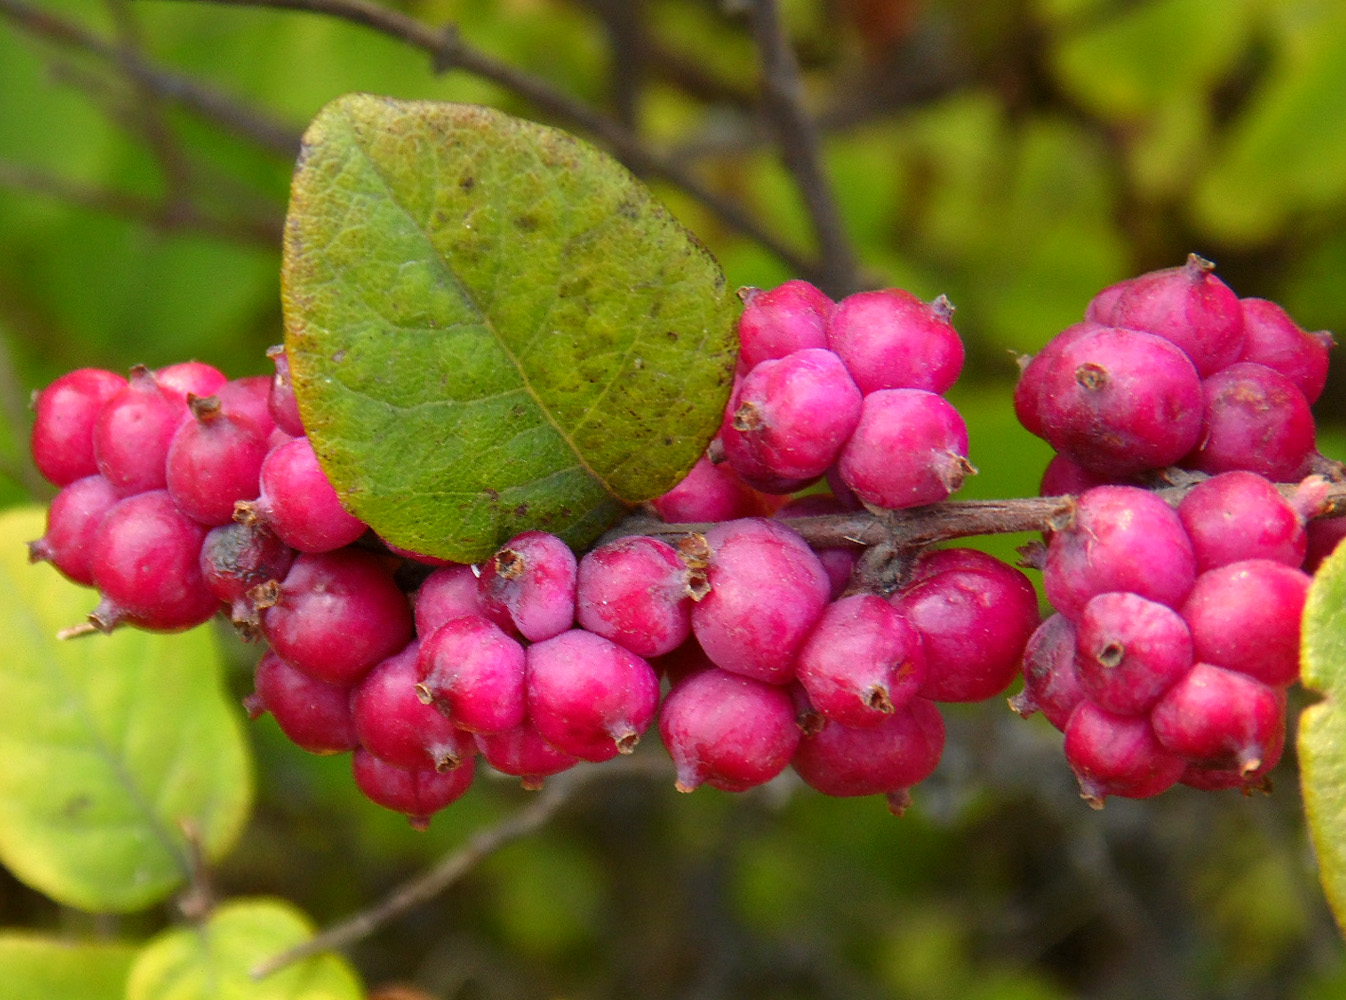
column 449, row 51
column 800, row 150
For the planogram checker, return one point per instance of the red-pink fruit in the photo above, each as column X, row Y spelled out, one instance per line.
column 1120, row 538
column 396, row 726
column 887, row 759
column 474, row 673
column 522, row 752
column 248, row 398
column 1245, row 617
column 862, row 661
column 785, row 319
column 189, row 378
column 64, row 416
column 72, row 520
column 1105, row 301
column 280, row 400
column 890, row 339
column 909, row 449
column 767, row 589
column 838, row 562
column 1221, row 718
column 1241, row 515
column 214, row 461
column 419, row 792
column 145, row 561
column 529, row 585
column 447, row 593
column 709, row 492
column 588, row 696
column 1118, row 402
column 238, row 558
column 975, row 614
column 727, row 731
column 1187, row 305
column 1117, row 755
column 1228, row 773
column 1032, row 371
column 298, row 503
column 637, row 592
column 337, row 614
column 1063, row 477
column 132, row 433
column 1254, row 419
column 315, row 715
column 1129, row 651
column 1273, row 339
column 1051, row 679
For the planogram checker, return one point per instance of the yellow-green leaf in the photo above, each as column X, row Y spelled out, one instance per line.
column 33, row 966
column 110, row 744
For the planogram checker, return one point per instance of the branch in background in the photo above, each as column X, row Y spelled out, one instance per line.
column 448, row 51
column 800, row 150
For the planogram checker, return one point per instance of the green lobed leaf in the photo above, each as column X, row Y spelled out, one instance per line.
column 1322, row 727
column 493, row 326
column 110, row 743
column 213, row 961
column 34, row 966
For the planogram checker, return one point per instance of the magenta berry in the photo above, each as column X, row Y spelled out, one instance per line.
column 419, row 793
column 890, row 339
column 862, row 661
column 788, row 318
column 529, row 586
column 975, row 614
column 588, row 696
column 214, row 461
column 637, row 592
column 72, row 520
column 1063, row 477
column 238, row 558
column 1118, row 402
column 888, row 759
column 1033, row 370
column 298, row 503
column 64, row 416
column 522, row 752
column 346, row 593
column 1241, row 515
column 447, row 593
column 767, row 589
column 1187, row 305
column 189, row 378
column 1105, row 301
column 247, row 398
column 132, row 434
column 1245, row 616
column 1220, row 718
column 709, row 492
column 1121, row 538
column 280, row 400
column 1273, row 339
column 396, row 726
column 909, row 449
column 1129, row 651
column 792, row 415
column 1051, row 679
column 315, row 715
column 1117, row 755
column 1228, row 774
column 727, row 731
column 1255, row 419
column 474, row 673
column 145, row 559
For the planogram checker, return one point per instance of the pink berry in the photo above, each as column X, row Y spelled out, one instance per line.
column 637, row 592
column 1051, row 678
column 890, row 339
column 1228, row 773
column 1105, row 301
column 1220, row 718
column 132, row 434
column 189, row 378
column 474, row 673
column 727, row 731
column 1033, row 370
column 1129, row 651
column 396, row 726
column 64, row 416
column 72, row 520
column 280, row 400
column 529, row 585
column 522, row 752
column 315, row 715
column 1255, row 419
column 298, row 503
column 337, row 614
column 780, row 321
column 247, row 398
column 887, row 759
column 1245, row 616
column 236, row 560
column 588, row 696
column 214, row 461
column 1063, row 477
column 709, row 492
column 447, row 593
column 1273, row 339
column 767, row 589
column 419, row 792
column 145, row 561
column 909, row 449
column 862, row 661
column 1241, row 515
column 838, row 562
column 1117, row 755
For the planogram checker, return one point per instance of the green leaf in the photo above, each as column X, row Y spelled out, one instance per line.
column 1322, row 727
column 110, row 743
column 35, row 966
column 214, row 961
column 493, row 326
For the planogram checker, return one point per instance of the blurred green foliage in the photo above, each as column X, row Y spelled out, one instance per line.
column 1016, row 156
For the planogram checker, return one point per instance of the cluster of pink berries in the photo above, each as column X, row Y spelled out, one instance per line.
column 1177, row 631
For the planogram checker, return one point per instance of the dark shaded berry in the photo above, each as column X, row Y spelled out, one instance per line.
column 238, row 558
column 298, row 503
column 521, row 751
column 1273, row 339
column 1221, row 718
column 132, row 434
column 1051, row 679
column 280, row 400
column 709, row 492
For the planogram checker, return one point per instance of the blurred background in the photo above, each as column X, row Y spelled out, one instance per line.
column 1016, row 156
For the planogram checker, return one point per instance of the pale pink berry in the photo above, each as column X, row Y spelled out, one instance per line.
column 1129, row 651
column 637, row 592
column 189, row 378
column 447, row 593
column 529, row 586
column 298, row 502
column 1241, row 515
